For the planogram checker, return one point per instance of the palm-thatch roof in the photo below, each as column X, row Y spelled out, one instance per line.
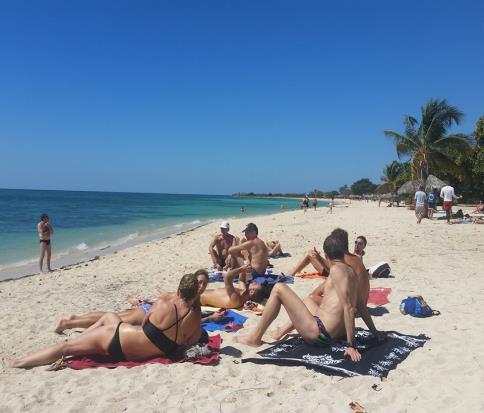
column 431, row 183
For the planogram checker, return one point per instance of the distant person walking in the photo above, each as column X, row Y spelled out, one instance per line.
column 420, row 198
column 330, row 205
column 45, row 231
column 448, row 195
column 315, row 203
column 305, row 203
column 431, row 203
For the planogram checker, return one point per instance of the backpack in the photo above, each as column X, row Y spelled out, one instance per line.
column 416, row 307
column 380, row 270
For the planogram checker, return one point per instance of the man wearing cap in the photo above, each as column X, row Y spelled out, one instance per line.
column 255, row 247
column 219, row 248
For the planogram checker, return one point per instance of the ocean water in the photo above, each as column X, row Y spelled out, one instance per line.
column 99, row 220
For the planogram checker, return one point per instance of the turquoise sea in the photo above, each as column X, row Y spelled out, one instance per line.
column 99, row 220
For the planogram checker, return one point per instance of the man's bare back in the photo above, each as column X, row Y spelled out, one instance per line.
column 331, row 311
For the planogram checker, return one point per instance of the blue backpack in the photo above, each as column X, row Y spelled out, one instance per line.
column 416, row 307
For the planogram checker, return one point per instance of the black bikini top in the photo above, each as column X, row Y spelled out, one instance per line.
column 158, row 337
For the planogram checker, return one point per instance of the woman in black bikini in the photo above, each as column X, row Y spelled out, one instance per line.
column 170, row 323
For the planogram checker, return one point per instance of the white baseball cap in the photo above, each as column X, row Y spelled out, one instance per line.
column 225, row 225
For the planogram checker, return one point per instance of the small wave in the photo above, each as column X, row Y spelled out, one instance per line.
column 178, row 225
column 126, row 238
column 197, row 221
column 82, row 246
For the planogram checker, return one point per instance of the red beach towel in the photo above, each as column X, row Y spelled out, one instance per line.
column 311, row 275
column 80, row 363
column 379, row 296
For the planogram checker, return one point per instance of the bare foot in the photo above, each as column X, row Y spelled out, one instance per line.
column 247, row 340
column 278, row 333
column 13, row 363
column 60, row 327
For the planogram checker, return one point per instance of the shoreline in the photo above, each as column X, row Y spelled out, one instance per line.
column 67, row 260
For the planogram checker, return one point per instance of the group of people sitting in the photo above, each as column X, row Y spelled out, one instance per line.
column 173, row 320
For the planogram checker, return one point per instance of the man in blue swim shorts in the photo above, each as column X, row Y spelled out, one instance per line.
column 256, row 251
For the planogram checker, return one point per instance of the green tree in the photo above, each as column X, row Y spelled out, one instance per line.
column 390, row 178
column 427, row 143
column 472, row 164
column 344, row 190
column 363, row 186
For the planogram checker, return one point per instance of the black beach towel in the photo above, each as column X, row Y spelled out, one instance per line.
column 377, row 359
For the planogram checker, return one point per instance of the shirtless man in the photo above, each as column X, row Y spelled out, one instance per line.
column 360, row 245
column 219, row 248
column 230, row 296
column 363, row 282
column 133, row 316
column 274, row 249
column 256, row 249
column 332, row 318
column 45, row 231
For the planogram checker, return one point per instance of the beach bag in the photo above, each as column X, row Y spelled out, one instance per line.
column 380, row 270
column 416, row 307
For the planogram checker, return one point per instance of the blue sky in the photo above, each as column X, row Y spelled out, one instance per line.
column 217, row 97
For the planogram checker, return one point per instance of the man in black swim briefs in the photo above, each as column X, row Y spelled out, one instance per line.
column 333, row 318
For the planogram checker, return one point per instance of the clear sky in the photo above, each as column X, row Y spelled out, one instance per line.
column 223, row 96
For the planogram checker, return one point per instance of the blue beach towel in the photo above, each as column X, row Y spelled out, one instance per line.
column 230, row 318
column 269, row 279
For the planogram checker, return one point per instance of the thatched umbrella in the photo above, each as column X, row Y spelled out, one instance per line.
column 411, row 187
column 408, row 187
column 433, row 182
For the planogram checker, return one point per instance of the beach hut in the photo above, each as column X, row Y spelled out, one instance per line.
column 411, row 187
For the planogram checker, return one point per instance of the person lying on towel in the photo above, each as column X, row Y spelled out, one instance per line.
column 170, row 323
column 333, row 318
column 134, row 316
column 235, row 297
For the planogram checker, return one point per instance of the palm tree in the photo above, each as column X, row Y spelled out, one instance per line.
column 391, row 178
column 427, row 143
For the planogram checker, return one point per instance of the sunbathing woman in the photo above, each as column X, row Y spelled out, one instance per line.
column 170, row 323
column 134, row 316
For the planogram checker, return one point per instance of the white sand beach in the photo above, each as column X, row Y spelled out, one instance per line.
column 443, row 263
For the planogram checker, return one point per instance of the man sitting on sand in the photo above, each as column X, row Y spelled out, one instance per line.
column 256, row 249
column 360, row 245
column 333, row 318
column 219, row 248
column 133, row 316
column 233, row 297
column 363, row 281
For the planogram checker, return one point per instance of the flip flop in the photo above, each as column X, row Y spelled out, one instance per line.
column 58, row 364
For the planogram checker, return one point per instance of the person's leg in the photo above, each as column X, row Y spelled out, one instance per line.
column 300, row 316
column 301, row 265
column 106, row 319
column 96, row 342
column 79, row 321
column 281, row 331
column 42, row 254
column 49, row 254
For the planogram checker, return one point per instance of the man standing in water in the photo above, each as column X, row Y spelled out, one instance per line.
column 45, row 231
